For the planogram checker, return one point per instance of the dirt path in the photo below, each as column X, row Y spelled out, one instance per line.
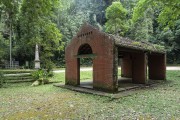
column 89, row 69
column 173, row 68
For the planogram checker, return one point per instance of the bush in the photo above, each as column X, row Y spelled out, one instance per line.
column 2, row 81
column 41, row 76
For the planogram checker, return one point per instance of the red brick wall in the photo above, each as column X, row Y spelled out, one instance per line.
column 157, row 66
column 103, row 69
column 139, row 68
column 126, row 65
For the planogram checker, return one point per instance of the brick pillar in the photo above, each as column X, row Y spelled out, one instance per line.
column 115, row 70
column 72, row 73
column 126, row 66
column 105, row 67
column 139, row 68
column 157, row 66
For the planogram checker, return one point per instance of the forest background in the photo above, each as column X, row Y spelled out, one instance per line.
column 52, row 24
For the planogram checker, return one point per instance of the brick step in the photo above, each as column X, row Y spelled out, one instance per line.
column 18, row 77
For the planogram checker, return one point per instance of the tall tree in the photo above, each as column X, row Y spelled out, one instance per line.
column 37, row 27
column 169, row 10
column 8, row 16
column 170, row 39
column 142, row 29
column 3, row 48
column 116, row 19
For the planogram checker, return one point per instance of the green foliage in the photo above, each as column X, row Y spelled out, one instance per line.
column 160, row 32
column 139, row 9
column 116, row 10
column 169, row 12
column 86, row 62
column 159, row 47
column 42, row 76
column 169, row 37
column 116, row 16
column 136, row 43
column 39, row 74
column 142, row 28
column 1, row 79
column 3, row 47
column 9, row 10
column 71, row 14
column 28, row 23
column 75, row 13
column 37, row 27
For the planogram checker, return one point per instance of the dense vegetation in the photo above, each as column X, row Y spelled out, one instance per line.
column 52, row 23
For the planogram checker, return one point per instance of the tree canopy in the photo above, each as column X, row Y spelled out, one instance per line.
column 169, row 10
column 116, row 18
column 37, row 27
column 52, row 24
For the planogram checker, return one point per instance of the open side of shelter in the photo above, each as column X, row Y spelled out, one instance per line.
column 105, row 51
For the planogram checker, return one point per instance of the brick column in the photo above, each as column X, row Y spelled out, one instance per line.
column 157, row 66
column 126, row 66
column 139, row 72
column 72, row 67
column 72, row 72
column 105, row 70
column 115, row 70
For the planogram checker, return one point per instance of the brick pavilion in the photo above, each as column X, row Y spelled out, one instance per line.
column 140, row 61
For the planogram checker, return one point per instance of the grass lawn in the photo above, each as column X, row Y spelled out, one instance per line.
column 21, row 101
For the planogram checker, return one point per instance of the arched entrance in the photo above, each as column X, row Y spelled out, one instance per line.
column 85, row 66
column 85, row 49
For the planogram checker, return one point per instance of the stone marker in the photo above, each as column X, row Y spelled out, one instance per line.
column 37, row 60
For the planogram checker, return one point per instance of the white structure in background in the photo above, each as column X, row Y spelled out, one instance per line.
column 37, row 61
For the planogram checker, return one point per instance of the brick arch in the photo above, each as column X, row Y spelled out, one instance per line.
column 103, row 49
column 85, row 49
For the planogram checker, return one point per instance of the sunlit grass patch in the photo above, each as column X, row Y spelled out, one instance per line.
column 85, row 75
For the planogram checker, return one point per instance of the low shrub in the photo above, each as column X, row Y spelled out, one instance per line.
column 2, row 80
column 41, row 76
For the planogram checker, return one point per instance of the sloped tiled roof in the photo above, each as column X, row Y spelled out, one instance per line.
column 145, row 46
